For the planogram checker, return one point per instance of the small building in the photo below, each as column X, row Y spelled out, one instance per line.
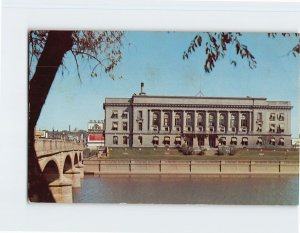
column 95, row 137
column 95, row 140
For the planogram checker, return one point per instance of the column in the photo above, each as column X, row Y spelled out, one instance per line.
column 148, row 120
column 151, row 120
column 250, row 121
column 74, row 175
column 161, row 120
column 61, row 190
column 172, row 120
column 217, row 120
column 183, row 120
column 228, row 121
column 238, row 121
column 195, row 121
column 206, row 121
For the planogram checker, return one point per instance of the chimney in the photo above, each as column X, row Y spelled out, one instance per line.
column 142, row 89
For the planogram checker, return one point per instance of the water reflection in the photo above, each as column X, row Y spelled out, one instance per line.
column 190, row 189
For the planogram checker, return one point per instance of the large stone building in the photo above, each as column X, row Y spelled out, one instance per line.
column 148, row 121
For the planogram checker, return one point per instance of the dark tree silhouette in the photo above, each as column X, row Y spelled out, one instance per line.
column 47, row 50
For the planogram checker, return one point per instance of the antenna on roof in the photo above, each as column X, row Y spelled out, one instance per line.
column 200, row 93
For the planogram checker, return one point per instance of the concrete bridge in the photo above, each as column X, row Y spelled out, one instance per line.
column 61, row 165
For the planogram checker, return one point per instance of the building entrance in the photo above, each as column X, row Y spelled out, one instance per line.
column 212, row 140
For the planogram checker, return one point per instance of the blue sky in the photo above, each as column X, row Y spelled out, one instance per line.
column 155, row 58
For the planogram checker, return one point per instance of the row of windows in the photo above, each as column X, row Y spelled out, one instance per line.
column 115, row 126
column 244, row 142
column 115, row 114
column 200, row 116
column 222, row 141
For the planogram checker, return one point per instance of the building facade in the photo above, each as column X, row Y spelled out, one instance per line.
column 150, row 121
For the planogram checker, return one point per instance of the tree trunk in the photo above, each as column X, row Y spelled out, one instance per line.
column 58, row 43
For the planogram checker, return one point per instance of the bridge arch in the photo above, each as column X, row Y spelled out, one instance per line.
column 51, row 171
column 67, row 164
column 76, row 160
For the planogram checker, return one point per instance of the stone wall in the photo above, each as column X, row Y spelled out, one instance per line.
column 189, row 167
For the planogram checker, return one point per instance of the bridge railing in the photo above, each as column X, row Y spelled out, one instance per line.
column 48, row 146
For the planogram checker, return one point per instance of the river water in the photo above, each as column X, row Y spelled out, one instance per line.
column 189, row 189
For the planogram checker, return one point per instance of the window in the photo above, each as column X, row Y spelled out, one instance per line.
column 166, row 119
column 115, row 125
column 272, row 141
column 140, row 138
column 200, row 120
column 259, row 141
column 280, row 128
column 155, row 140
column 125, row 115
column 167, row 140
column 281, row 116
column 222, row 141
column 211, row 122
column 115, row 140
column 140, row 115
column 177, row 119
column 233, row 141
column 245, row 141
column 125, row 140
column 281, row 142
column 222, row 122
column 233, row 121
column 178, row 140
column 114, row 114
column 259, row 117
column 272, row 128
column 188, row 120
column 259, row 128
column 140, row 126
column 244, row 122
column 155, row 119
column 125, row 128
column 272, row 117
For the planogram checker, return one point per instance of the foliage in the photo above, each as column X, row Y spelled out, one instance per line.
column 101, row 49
column 227, row 150
column 87, row 152
column 186, row 150
column 218, row 43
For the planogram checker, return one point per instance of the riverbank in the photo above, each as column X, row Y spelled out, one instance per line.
column 107, row 166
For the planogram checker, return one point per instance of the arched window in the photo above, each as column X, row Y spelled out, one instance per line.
column 281, row 142
column 167, row 140
column 245, row 141
column 272, row 141
column 155, row 140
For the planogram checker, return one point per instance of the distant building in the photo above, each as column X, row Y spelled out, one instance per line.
column 95, row 137
column 296, row 142
column 40, row 134
column 95, row 126
column 148, row 121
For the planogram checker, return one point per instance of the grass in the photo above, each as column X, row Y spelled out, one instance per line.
column 174, row 154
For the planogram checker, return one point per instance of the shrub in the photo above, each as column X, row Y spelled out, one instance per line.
column 232, row 150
